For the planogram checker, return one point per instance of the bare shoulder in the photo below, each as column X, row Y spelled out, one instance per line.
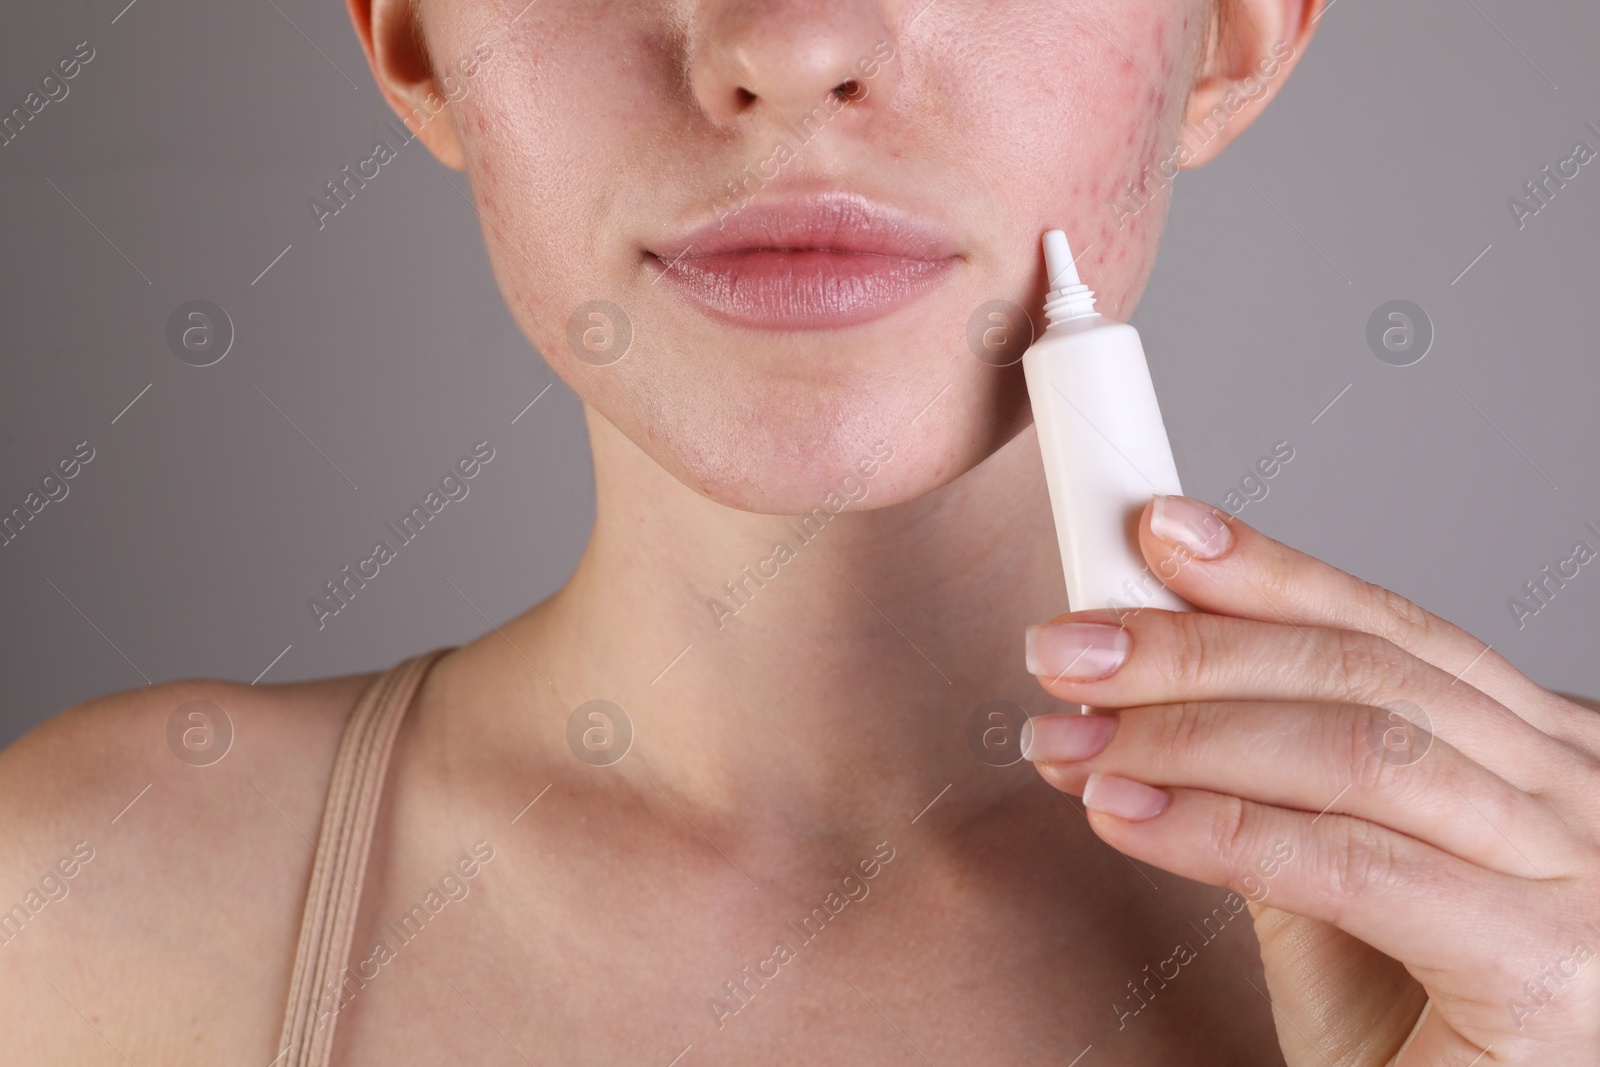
column 155, row 846
column 66, row 768
column 1582, row 701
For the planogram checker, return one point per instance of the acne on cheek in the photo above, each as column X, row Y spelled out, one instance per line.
column 503, row 173
column 1142, row 87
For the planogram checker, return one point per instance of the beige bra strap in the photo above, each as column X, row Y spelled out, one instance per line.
column 328, row 923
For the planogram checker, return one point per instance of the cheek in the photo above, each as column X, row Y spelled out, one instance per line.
column 1075, row 119
column 552, row 136
column 1129, row 118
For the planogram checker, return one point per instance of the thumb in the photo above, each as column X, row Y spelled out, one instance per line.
column 1335, row 998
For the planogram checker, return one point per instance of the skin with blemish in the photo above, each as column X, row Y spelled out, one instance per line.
column 608, row 154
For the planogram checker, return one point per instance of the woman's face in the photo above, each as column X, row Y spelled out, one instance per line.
column 798, row 221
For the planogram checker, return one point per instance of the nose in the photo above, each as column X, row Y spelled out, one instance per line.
column 790, row 56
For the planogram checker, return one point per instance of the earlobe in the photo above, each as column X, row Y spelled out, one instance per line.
column 391, row 36
column 1256, row 45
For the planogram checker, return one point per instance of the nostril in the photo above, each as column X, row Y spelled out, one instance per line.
column 850, row 90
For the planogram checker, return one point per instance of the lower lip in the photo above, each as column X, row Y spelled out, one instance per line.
column 803, row 290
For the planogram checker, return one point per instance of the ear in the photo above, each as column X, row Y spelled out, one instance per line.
column 1253, row 47
column 391, row 35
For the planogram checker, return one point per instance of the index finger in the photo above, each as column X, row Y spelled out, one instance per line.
column 1164, row 657
column 1222, row 565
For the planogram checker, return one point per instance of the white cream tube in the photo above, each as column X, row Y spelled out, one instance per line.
column 1104, row 444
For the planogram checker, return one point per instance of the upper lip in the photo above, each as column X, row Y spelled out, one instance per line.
column 820, row 222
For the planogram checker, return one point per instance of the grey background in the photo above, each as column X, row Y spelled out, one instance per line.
column 376, row 351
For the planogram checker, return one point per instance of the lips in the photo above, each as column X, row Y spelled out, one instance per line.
column 823, row 261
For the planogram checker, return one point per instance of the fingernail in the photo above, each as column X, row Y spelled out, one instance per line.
column 1076, row 651
column 1124, row 798
column 1194, row 526
column 1063, row 738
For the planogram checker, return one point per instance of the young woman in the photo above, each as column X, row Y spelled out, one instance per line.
column 738, row 793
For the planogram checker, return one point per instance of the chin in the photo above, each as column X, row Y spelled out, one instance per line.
column 785, row 445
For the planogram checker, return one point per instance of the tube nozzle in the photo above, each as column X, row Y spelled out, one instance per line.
column 1058, row 260
column 1069, row 298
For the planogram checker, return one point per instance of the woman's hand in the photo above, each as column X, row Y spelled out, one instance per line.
column 1424, row 819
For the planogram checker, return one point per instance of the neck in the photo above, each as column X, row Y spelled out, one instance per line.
column 829, row 683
